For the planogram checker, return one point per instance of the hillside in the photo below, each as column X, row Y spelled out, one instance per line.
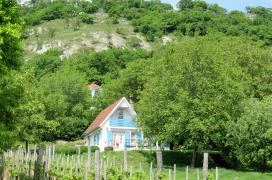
column 99, row 36
column 208, row 90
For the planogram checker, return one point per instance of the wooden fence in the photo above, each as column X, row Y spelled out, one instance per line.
column 40, row 165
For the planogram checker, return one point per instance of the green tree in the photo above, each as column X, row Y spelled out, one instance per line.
column 185, row 4
column 66, row 101
column 251, row 136
column 32, row 125
column 195, row 90
column 10, row 80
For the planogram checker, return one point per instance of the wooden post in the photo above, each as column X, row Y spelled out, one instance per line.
column 29, row 168
column 97, row 165
column 86, row 171
column 205, row 166
column 125, row 160
column 62, row 165
column 197, row 174
column 53, row 153
column 159, row 160
column 187, row 173
column 46, row 157
column 169, row 174
column 151, row 171
column 38, row 165
column 35, row 151
column 105, row 169
column 175, row 171
column 140, row 167
column 44, row 170
column 216, row 173
column 89, row 157
column 130, row 172
column 2, row 166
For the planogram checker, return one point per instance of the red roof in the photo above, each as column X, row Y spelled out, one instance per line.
column 101, row 117
column 93, row 86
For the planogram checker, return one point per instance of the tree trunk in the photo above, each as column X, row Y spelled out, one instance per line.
column 194, row 157
column 26, row 146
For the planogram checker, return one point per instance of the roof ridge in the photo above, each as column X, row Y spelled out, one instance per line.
column 101, row 117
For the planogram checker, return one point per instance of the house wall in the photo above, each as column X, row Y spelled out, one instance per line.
column 108, row 126
column 104, row 133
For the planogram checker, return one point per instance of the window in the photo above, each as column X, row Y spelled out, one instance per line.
column 120, row 114
column 133, row 139
column 96, row 139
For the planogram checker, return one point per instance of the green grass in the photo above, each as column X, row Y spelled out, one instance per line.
column 136, row 157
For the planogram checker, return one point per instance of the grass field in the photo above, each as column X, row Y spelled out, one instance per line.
column 141, row 160
column 136, row 157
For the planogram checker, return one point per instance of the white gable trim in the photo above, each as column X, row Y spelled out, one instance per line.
column 114, row 109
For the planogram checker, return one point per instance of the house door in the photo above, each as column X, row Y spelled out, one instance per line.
column 118, row 140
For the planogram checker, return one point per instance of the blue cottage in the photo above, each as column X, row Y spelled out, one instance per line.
column 115, row 127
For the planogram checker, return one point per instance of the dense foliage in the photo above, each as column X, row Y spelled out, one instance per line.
column 61, row 103
column 46, row 10
column 193, row 94
column 155, row 19
column 10, row 61
column 208, row 90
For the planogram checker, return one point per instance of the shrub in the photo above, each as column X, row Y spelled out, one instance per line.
column 69, row 149
column 121, row 31
column 134, row 42
column 86, row 18
column 184, row 158
column 114, row 20
column 88, row 7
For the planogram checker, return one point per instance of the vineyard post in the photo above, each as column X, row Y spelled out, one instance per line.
column 89, row 157
column 44, row 171
column 140, row 167
column 53, row 152
column 62, row 165
column 29, row 170
column 170, row 174
column 38, row 164
column 67, row 159
column 50, row 157
column 151, row 171
column 159, row 160
column 97, row 165
column 130, row 173
column 105, row 169
column 125, row 160
column 2, row 166
column 77, row 167
column 57, row 164
column 71, row 167
column 175, row 171
column 197, row 173
column 113, row 163
column 46, row 156
column 35, row 151
column 187, row 172
column 205, row 166
column 86, row 170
